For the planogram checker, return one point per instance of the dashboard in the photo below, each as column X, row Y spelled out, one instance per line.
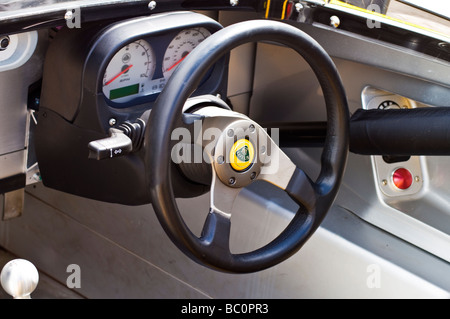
column 108, row 76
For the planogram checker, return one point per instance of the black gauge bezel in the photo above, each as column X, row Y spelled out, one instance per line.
column 159, row 35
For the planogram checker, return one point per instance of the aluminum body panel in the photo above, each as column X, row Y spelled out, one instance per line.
column 420, row 218
column 137, row 260
column 20, row 69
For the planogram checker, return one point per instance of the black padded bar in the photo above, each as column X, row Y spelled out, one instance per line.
column 401, row 132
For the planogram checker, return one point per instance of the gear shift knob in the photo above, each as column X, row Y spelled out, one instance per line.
column 19, row 278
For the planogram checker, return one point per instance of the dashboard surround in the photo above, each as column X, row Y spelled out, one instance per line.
column 79, row 112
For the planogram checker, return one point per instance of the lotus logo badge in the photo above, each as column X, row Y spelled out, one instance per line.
column 242, row 154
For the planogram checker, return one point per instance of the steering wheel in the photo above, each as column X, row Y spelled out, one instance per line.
column 240, row 154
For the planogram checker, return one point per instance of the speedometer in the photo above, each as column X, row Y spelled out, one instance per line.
column 180, row 46
column 129, row 71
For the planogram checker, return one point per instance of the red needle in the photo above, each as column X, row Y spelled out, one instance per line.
column 110, row 81
column 177, row 63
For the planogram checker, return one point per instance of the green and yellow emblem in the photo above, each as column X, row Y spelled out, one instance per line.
column 241, row 155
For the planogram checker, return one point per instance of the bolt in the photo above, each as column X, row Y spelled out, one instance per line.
column 152, row 5
column 112, row 121
column 298, row 7
column 69, row 15
column 232, row 181
column 335, row 21
column 234, row 3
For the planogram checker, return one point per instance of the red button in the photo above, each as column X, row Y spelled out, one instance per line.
column 402, row 178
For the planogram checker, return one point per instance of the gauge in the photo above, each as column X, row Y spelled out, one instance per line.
column 388, row 105
column 183, row 43
column 129, row 72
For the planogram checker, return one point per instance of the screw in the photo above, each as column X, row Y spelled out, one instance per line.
column 69, row 15
column 152, row 5
column 384, row 182
column 230, row 132
column 112, row 121
column 298, row 7
column 335, row 21
column 417, row 179
column 252, row 175
column 232, row 181
column 251, row 128
column 220, row 159
column 234, row 3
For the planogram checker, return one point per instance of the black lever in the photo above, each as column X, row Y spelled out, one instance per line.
column 116, row 144
column 123, row 140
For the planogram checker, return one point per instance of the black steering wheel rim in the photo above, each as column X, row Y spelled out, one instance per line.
column 167, row 113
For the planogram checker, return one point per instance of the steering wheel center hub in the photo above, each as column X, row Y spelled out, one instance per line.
column 240, row 153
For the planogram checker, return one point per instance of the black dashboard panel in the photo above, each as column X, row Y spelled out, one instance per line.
column 78, row 106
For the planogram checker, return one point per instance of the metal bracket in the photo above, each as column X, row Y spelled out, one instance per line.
column 13, row 203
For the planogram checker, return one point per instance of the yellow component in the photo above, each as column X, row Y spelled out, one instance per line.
column 350, row 6
column 242, row 155
column 283, row 12
column 267, row 9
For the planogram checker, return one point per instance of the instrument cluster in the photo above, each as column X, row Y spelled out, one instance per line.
column 139, row 70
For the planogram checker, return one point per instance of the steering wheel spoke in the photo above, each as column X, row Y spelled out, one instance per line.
column 222, row 197
column 284, row 174
column 216, row 232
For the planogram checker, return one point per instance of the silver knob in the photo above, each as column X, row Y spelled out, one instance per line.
column 19, row 278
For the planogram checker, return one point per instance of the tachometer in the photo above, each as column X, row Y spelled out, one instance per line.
column 129, row 72
column 180, row 46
